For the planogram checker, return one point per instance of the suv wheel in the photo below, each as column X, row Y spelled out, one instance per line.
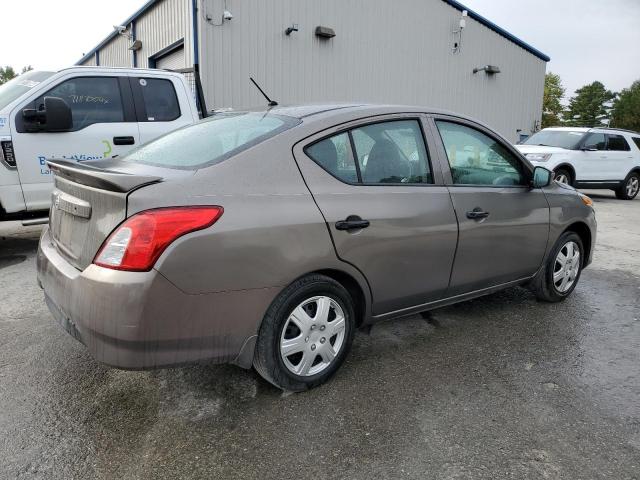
column 563, row 176
column 561, row 271
column 306, row 334
column 630, row 187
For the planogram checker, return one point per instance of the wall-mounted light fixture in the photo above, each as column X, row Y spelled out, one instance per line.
column 457, row 34
column 325, row 32
column 488, row 69
column 291, row 29
column 135, row 46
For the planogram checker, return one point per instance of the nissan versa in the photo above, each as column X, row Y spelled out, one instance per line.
column 266, row 238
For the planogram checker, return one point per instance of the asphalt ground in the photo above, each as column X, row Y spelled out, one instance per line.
column 499, row 387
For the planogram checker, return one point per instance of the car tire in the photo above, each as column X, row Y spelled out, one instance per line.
column 630, row 187
column 305, row 320
column 562, row 175
column 556, row 280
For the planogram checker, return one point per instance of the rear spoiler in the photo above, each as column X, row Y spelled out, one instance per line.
column 99, row 177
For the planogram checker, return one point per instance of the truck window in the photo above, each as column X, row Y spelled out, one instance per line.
column 20, row 85
column 91, row 99
column 160, row 99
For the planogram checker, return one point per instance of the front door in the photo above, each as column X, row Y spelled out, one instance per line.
column 103, row 126
column 504, row 224
column 387, row 212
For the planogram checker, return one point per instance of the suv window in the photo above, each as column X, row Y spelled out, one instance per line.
column 636, row 140
column 334, row 155
column 595, row 141
column 477, row 159
column 391, row 152
column 91, row 99
column 617, row 142
column 160, row 99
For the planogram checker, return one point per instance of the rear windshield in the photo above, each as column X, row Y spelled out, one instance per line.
column 211, row 141
column 556, row 138
column 20, row 85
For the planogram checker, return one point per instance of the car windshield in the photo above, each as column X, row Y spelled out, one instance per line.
column 20, row 85
column 556, row 138
column 211, row 141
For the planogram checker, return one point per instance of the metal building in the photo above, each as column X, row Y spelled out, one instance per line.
column 382, row 51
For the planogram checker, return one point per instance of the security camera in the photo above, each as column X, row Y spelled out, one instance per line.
column 227, row 15
column 120, row 28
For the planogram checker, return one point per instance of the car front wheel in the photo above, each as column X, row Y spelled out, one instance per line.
column 561, row 271
column 563, row 175
column 306, row 334
column 630, row 187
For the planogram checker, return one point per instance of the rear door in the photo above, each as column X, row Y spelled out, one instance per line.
column 385, row 206
column 619, row 157
column 162, row 105
column 104, row 125
column 504, row 224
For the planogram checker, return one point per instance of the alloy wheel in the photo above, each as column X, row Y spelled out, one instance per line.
column 312, row 336
column 632, row 187
column 566, row 267
column 562, row 178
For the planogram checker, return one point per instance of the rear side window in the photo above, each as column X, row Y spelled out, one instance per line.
column 334, row 155
column 160, row 99
column 617, row 142
column 636, row 140
column 211, row 141
column 390, row 152
column 91, row 99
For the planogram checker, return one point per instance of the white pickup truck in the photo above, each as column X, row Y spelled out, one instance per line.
column 79, row 113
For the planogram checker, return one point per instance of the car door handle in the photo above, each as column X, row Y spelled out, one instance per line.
column 477, row 214
column 124, row 140
column 352, row 222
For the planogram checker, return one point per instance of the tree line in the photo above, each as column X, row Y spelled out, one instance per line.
column 7, row 73
column 591, row 106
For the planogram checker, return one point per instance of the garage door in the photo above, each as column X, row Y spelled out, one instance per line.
column 172, row 61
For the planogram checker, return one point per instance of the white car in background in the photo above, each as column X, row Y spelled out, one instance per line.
column 588, row 157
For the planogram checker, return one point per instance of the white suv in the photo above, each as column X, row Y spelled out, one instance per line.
column 588, row 157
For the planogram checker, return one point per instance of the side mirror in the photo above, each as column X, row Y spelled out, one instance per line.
column 55, row 117
column 541, row 177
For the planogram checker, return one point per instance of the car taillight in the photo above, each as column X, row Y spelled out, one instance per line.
column 8, row 156
column 138, row 242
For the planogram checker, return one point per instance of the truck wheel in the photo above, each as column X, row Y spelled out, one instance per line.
column 306, row 334
column 563, row 176
column 630, row 187
column 561, row 271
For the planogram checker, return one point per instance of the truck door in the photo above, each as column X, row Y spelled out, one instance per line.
column 104, row 125
column 162, row 105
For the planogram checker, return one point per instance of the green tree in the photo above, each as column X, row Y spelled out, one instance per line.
column 551, row 103
column 588, row 107
column 6, row 74
column 626, row 108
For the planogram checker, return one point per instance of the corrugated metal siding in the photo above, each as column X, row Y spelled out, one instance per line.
column 166, row 23
column 91, row 61
column 389, row 52
column 162, row 25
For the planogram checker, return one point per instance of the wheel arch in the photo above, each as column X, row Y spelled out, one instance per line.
column 583, row 231
column 355, row 289
column 566, row 166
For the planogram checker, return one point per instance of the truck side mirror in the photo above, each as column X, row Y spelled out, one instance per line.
column 541, row 177
column 54, row 117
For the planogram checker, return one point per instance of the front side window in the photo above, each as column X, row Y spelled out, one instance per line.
column 617, row 143
column 334, row 155
column 211, row 141
column 91, row 99
column 595, row 141
column 160, row 100
column 391, row 152
column 477, row 159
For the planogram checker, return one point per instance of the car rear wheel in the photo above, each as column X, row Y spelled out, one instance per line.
column 306, row 334
column 562, row 175
column 561, row 272
column 630, row 187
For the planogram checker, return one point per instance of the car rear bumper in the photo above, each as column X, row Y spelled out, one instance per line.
column 140, row 320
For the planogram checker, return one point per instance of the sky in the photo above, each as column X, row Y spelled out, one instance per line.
column 587, row 40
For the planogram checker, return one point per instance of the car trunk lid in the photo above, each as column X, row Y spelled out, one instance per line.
column 88, row 202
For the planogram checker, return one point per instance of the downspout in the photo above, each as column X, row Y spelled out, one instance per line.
column 98, row 58
column 196, row 60
column 133, row 38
